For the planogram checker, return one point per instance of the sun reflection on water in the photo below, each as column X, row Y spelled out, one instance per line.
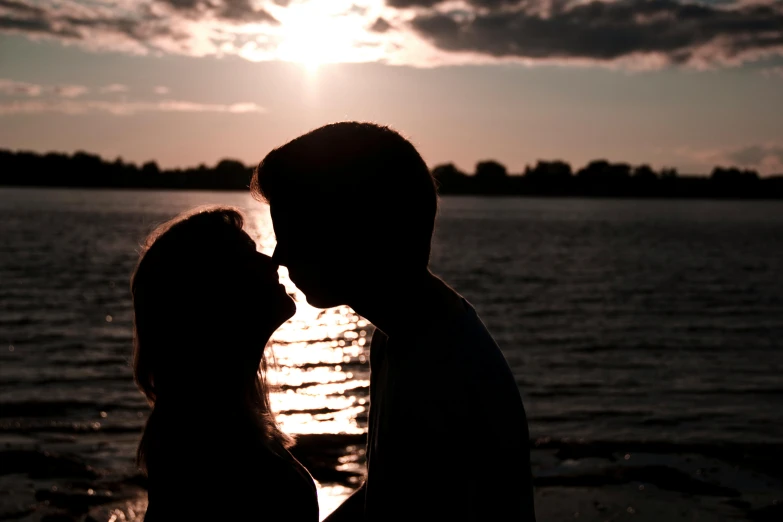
column 320, row 368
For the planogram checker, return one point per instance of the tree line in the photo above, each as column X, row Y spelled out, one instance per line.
column 545, row 178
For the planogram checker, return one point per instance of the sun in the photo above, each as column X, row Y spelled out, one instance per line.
column 314, row 34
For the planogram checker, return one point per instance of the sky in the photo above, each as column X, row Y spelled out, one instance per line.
column 670, row 83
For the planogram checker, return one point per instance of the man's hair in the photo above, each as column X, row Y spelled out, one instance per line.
column 370, row 169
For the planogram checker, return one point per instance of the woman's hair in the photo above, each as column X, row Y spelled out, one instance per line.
column 198, row 341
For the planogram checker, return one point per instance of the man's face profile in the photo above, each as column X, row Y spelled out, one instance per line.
column 313, row 254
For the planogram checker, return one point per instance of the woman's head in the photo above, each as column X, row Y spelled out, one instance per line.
column 205, row 303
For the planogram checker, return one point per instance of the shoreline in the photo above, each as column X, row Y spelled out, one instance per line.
column 493, row 195
column 598, row 481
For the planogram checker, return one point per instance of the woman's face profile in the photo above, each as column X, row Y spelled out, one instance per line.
column 266, row 296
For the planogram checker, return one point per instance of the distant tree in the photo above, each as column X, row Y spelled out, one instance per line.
column 601, row 178
column 491, row 177
column 644, row 173
column 87, row 157
column 447, row 172
column 593, row 169
column 728, row 182
column 548, row 177
column 88, row 164
column 150, row 169
column 549, row 170
column 450, row 179
column 230, row 167
column 490, row 171
column 231, row 174
column 605, row 171
column 118, row 162
column 598, row 178
column 669, row 173
column 733, row 174
column 55, row 165
column 602, row 170
column 644, row 182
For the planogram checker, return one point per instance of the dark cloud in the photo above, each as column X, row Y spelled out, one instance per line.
column 183, row 4
column 73, row 25
column 20, row 7
column 144, row 30
column 380, row 26
column 232, row 10
column 38, row 25
column 242, row 11
column 607, row 31
column 402, row 4
column 141, row 30
column 654, row 32
column 757, row 154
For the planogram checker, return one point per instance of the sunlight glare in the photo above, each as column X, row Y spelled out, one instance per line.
column 330, row 497
column 319, row 358
column 318, row 32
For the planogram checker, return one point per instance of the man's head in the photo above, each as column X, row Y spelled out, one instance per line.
column 352, row 204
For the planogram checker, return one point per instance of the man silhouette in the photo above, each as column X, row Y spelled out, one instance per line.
column 353, row 207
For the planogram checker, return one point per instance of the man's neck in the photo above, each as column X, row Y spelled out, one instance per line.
column 407, row 305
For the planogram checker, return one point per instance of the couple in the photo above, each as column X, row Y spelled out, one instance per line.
column 447, row 438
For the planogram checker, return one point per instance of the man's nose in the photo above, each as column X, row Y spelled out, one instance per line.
column 268, row 262
column 277, row 255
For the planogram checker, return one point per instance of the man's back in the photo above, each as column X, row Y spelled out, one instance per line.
column 448, row 436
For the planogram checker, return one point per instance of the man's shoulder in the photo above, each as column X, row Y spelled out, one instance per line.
column 465, row 327
column 378, row 337
column 469, row 345
column 378, row 343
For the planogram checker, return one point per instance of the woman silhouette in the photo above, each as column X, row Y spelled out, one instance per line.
column 205, row 304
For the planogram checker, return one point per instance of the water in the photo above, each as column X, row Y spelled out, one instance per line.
column 622, row 320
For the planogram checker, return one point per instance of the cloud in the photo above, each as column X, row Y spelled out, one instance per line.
column 757, row 155
column 632, row 33
column 160, row 89
column 20, row 7
column 773, row 72
column 69, row 91
column 113, row 88
column 598, row 31
column 239, row 10
column 380, row 26
column 63, row 99
column 190, row 27
column 13, row 88
column 401, row 4
column 122, row 108
column 765, row 158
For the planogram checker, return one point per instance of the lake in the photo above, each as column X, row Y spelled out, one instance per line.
column 622, row 320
